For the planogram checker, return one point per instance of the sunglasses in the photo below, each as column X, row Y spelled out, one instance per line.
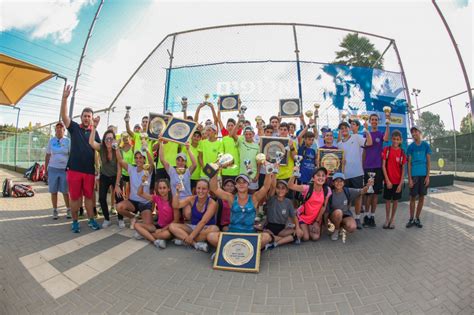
column 109, row 139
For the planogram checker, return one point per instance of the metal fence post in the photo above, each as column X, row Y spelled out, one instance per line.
column 298, row 67
column 454, row 135
column 168, row 76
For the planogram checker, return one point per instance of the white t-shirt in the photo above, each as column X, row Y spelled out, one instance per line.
column 59, row 150
column 353, row 148
column 135, row 182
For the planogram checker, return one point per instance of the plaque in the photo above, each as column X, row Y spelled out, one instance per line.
column 271, row 145
column 290, row 107
column 238, row 252
column 229, row 103
column 157, row 123
column 179, row 130
column 332, row 160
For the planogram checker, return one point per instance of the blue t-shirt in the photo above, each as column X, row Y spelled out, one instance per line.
column 418, row 157
column 59, row 150
column 308, row 164
column 81, row 157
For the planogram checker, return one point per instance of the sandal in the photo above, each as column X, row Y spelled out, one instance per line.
column 391, row 227
column 386, row 226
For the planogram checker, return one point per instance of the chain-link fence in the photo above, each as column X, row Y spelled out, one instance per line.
column 24, row 149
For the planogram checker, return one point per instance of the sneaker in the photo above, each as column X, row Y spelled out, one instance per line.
column 213, row 256
column 178, row 242
column 68, row 214
column 121, row 224
column 418, row 223
column 100, row 211
column 359, row 225
column 372, row 222
column 366, row 221
column 335, row 235
column 113, row 211
column 137, row 236
column 93, row 224
column 105, row 224
column 132, row 223
column 410, row 223
column 298, row 241
column 55, row 214
column 160, row 244
column 75, row 227
column 271, row 246
column 202, row 246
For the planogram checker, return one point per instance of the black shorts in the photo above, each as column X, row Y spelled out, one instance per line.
column 378, row 179
column 275, row 228
column 355, row 182
column 345, row 214
column 125, row 178
column 140, row 207
column 391, row 194
column 419, row 188
column 161, row 173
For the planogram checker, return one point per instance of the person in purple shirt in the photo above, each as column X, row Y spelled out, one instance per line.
column 373, row 164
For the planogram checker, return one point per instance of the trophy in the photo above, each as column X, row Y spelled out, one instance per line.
column 242, row 113
column 127, row 114
column 206, row 97
column 371, row 182
column 181, row 171
column 223, row 160
column 146, row 174
column 248, row 166
column 387, row 110
column 184, row 104
column 258, row 120
column 278, row 157
column 261, row 158
column 344, row 115
column 144, row 137
column 365, row 118
column 114, row 145
column 316, row 110
column 296, row 170
column 309, row 114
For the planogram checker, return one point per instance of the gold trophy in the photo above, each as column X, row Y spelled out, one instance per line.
column 223, row 161
column 146, row 173
column 258, row 120
column 316, row 110
column 387, row 110
column 143, row 138
column 206, row 97
column 184, row 104
column 127, row 113
column 309, row 114
column 261, row 158
column 181, row 171
column 241, row 114
column 365, row 118
column 344, row 115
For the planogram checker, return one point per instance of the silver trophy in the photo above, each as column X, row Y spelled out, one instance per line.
column 248, row 166
column 144, row 137
column 242, row 113
column 223, row 161
column 181, row 171
column 296, row 170
column 278, row 158
column 371, row 182
column 127, row 113
column 114, row 145
column 184, row 104
column 146, row 174
column 316, row 110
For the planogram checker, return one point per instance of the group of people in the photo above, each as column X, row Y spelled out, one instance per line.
column 161, row 190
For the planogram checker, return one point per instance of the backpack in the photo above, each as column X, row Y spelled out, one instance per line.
column 29, row 171
column 22, row 190
column 38, row 173
column 7, row 187
column 347, row 192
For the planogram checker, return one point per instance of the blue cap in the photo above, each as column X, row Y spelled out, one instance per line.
column 338, row 175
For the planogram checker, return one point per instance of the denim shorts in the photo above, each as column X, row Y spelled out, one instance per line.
column 57, row 180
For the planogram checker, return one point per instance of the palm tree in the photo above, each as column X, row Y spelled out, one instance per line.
column 358, row 51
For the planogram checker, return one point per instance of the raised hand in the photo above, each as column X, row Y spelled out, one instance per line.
column 67, row 91
column 96, row 121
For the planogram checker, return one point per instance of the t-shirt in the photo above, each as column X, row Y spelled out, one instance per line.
column 418, row 158
column 82, row 155
column 107, row 168
column 247, row 151
column 229, row 145
column 197, row 172
column 353, row 148
column 135, row 182
column 278, row 211
column 373, row 157
column 308, row 164
column 209, row 151
column 174, row 180
column 309, row 211
column 171, row 151
column 339, row 199
column 224, row 213
column 165, row 211
column 286, row 171
column 129, row 158
column 138, row 144
column 59, row 150
column 225, row 132
column 395, row 161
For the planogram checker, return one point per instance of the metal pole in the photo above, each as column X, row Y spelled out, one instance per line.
column 454, row 135
column 405, row 84
column 381, row 56
column 168, row 76
column 84, row 49
column 458, row 53
column 16, row 134
column 298, row 67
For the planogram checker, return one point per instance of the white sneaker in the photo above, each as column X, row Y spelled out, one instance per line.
column 178, row 242
column 137, row 236
column 160, row 244
column 105, row 224
column 132, row 223
column 68, row 214
column 335, row 235
column 202, row 246
column 121, row 224
column 55, row 214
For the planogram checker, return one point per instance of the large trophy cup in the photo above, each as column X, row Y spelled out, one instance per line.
column 387, row 110
column 365, row 118
column 146, row 173
column 242, row 114
column 223, row 161
column 248, row 167
column 309, row 114
column 181, row 171
column 127, row 113
column 184, row 104
column 296, row 170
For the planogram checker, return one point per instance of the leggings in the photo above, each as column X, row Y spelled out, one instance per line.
column 104, row 183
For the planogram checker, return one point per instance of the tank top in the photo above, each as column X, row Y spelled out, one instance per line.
column 242, row 217
column 196, row 216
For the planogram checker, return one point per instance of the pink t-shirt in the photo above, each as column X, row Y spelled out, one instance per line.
column 309, row 211
column 165, row 211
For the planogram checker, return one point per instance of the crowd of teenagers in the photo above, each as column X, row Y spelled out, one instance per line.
column 160, row 189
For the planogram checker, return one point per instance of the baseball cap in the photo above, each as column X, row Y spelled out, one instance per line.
column 414, row 127
column 248, row 128
column 344, row 123
column 284, row 182
column 138, row 151
column 137, row 126
column 213, row 127
column 227, row 181
column 244, row 177
column 356, row 121
column 325, row 129
column 182, row 155
column 338, row 175
column 60, row 123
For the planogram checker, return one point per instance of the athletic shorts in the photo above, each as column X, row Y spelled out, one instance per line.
column 275, row 228
column 419, row 188
column 378, row 179
column 355, row 182
column 345, row 214
column 391, row 194
column 80, row 184
column 140, row 206
column 57, row 180
column 161, row 173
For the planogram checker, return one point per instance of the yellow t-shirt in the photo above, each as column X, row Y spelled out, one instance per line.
column 138, row 144
column 128, row 156
column 197, row 172
column 229, row 145
column 171, row 151
column 286, row 171
column 209, row 150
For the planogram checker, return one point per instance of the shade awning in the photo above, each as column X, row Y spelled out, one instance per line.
column 17, row 78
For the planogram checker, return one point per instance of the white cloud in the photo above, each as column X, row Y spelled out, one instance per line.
column 55, row 19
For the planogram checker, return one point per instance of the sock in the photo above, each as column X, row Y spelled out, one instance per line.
column 55, row 209
column 358, row 216
column 372, row 215
column 336, row 230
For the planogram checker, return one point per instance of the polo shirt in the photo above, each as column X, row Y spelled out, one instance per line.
column 82, row 156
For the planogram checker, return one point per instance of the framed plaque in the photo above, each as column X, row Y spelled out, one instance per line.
column 179, row 130
column 156, row 125
column 270, row 145
column 238, row 252
column 290, row 107
column 229, row 103
column 331, row 159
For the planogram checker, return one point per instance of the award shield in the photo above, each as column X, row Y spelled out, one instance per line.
column 179, row 130
column 238, row 252
column 331, row 159
column 271, row 145
column 229, row 103
column 156, row 125
column 290, row 107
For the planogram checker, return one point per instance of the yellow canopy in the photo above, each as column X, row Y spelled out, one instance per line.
column 18, row 78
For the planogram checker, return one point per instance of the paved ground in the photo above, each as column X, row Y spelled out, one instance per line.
column 44, row 268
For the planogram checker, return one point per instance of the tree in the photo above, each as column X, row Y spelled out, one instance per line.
column 431, row 126
column 466, row 124
column 358, row 51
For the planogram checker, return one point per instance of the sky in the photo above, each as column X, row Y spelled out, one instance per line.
column 51, row 34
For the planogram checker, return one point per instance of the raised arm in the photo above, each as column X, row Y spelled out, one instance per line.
column 260, row 194
column 161, row 155
column 386, row 134
column 368, row 136
column 177, row 203
column 214, row 115
column 92, row 143
column 219, row 192
column 120, row 160
column 142, row 193
column 234, row 131
column 64, row 114
column 193, row 166
column 294, row 186
column 219, row 120
column 127, row 125
column 196, row 114
column 273, row 185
